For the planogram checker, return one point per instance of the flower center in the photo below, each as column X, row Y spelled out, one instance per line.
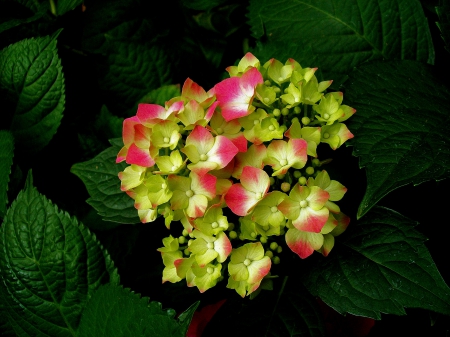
column 280, row 79
column 210, row 270
column 273, row 209
column 258, row 195
column 174, row 168
column 166, row 139
column 247, row 262
column 189, row 193
column 266, row 100
column 271, row 128
column 203, row 157
column 219, row 131
column 163, row 185
column 256, row 121
column 283, row 162
column 326, row 135
column 210, row 245
column 214, row 225
column 303, row 203
column 326, row 116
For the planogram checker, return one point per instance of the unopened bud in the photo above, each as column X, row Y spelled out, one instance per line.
column 273, row 245
column 269, row 254
column 263, row 239
column 181, row 240
column 279, row 249
column 306, row 120
column 285, row 111
column 230, row 226
column 285, row 187
column 310, row 170
column 316, row 162
column 276, row 112
column 297, row 174
column 233, row 235
column 297, row 110
column 302, row 180
column 276, row 260
column 185, row 232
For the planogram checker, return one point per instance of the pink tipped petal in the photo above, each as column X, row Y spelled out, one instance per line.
column 317, row 198
column 210, row 111
column 201, row 138
column 250, row 79
column 141, row 136
column 258, row 269
column 239, row 141
column 239, row 200
column 204, row 185
column 255, row 180
column 303, row 243
column 296, row 152
column 128, row 130
column 148, row 112
column 310, row 220
column 222, row 152
column 139, row 157
column 122, row 155
column 193, row 91
column 222, row 246
column 175, row 107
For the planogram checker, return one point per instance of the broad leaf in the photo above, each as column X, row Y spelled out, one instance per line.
column 32, row 84
column 100, row 175
column 50, row 266
column 202, row 5
column 380, row 266
column 15, row 14
column 400, row 127
column 6, row 160
column 63, row 6
column 338, row 35
column 115, row 311
column 443, row 11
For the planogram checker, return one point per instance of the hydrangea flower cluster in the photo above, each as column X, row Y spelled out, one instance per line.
column 245, row 150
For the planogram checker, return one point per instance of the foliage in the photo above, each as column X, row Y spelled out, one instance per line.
column 73, row 73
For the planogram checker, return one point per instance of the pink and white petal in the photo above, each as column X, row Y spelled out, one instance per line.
column 317, row 197
column 258, row 269
column 343, row 222
column 139, row 156
column 249, row 80
column 310, row 220
column 147, row 215
column 233, row 101
column 255, row 180
column 147, row 113
column 222, row 152
column 203, row 184
column 210, row 111
column 239, row 200
column 299, row 192
column 197, row 206
column 202, row 167
column 128, row 130
column 222, row 246
column 296, row 152
column 193, row 91
column 201, row 138
column 255, row 156
column 303, row 243
column 249, row 60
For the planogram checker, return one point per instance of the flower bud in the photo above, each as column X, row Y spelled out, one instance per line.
column 273, row 245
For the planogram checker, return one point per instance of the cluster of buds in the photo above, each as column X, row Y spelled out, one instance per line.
column 245, row 150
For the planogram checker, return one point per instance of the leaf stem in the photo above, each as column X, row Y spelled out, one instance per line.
column 276, row 303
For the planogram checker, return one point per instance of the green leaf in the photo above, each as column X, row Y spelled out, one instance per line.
column 50, row 265
column 16, row 15
column 134, row 70
column 162, row 94
column 443, row 11
column 381, row 265
column 400, row 127
column 63, row 6
column 100, row 175
column 6, row 160
column 114, row 311
column 202, row 5
column 339, row 35
column 32, row 80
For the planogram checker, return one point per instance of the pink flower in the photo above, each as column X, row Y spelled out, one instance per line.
column 235, row 94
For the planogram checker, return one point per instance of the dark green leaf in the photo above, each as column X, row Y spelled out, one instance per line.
column 400, row 128
column 6, row 160
column 50, row 266
column 63, row 6
column 380, row 266
column 117, row 312
column 443, row 11
column 338, row 35
column 17, row 15
column 202, row 5
column 31, row 76
column 100, row 175
column 161, row 95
